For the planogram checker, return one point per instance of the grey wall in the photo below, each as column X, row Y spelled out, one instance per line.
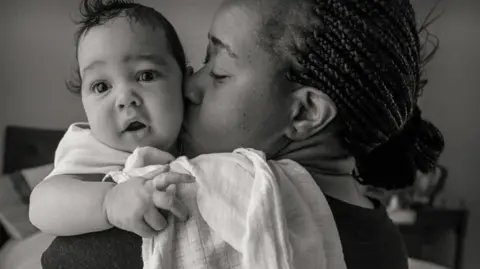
column 451, row 102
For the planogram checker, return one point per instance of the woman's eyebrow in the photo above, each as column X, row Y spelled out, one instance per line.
column 222, row 45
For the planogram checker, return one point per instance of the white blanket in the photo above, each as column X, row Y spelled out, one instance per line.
column 272, row 213
column 245, row 212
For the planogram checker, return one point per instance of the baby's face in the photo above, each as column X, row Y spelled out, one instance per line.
column 131, row 85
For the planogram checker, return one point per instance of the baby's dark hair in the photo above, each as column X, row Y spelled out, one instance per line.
column 98, row 12
column 367, row 57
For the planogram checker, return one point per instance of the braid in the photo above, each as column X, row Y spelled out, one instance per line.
column 365, row 55
column 354, row 52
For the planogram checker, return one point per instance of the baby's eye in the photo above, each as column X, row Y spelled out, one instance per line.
column 100, row 87
column 148, row 76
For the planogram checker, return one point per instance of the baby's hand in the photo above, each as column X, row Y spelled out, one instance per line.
column 133, row 205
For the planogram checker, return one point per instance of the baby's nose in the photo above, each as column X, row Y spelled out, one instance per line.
column 128, row 98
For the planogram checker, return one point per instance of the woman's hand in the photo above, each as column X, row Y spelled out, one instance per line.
column 133, row 205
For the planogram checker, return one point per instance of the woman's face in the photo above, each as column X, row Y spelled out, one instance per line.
column 233, row 100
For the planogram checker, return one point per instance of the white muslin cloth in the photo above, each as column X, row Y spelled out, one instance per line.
column 245, row 211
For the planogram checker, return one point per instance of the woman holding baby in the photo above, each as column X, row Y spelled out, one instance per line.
column 330, row 84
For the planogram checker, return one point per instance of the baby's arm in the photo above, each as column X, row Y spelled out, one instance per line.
column 76, row 204
column 70, row 204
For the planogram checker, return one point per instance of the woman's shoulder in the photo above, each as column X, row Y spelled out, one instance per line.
column 369, row 237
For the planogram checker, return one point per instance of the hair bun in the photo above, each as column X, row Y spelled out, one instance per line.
column 394, row 164
column 429, row 144
column 407, row 137
column 424, row 140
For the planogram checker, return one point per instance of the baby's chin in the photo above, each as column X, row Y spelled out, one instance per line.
column 173, row 149
column 129, row 146
column 125, row 147
column 128, row 143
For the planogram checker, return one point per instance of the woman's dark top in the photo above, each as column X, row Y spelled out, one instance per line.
column 369, row 239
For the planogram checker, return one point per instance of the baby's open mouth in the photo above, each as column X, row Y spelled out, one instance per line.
column 135, row 126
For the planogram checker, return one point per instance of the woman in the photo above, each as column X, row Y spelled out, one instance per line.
column 332, row 85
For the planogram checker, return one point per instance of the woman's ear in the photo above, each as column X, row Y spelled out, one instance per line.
column 311, row 111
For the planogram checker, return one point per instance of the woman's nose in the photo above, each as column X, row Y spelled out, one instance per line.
column 195, row 88
column 128, row 97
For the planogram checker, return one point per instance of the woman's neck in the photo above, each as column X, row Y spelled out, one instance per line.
column 330, row 164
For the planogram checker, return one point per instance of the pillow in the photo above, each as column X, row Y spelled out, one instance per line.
column 15, row 189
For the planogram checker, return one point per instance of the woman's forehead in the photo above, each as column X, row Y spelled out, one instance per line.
column 234, row 30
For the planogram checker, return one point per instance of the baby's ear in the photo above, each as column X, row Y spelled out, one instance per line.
column 189, row 71
column 311, row 111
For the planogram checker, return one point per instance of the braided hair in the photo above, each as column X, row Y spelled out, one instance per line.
column 366, row 55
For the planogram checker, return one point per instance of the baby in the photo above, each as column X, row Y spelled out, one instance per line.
column 229, row 209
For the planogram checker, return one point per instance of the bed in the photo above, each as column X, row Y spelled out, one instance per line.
column 28, row 158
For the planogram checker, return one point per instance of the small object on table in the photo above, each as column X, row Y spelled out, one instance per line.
column 437, row 235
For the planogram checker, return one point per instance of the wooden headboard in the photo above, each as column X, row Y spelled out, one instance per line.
column 28, row 147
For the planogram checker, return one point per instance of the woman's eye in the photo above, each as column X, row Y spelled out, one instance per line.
column 148, row 76
column 218, row 77
column 99, row 87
